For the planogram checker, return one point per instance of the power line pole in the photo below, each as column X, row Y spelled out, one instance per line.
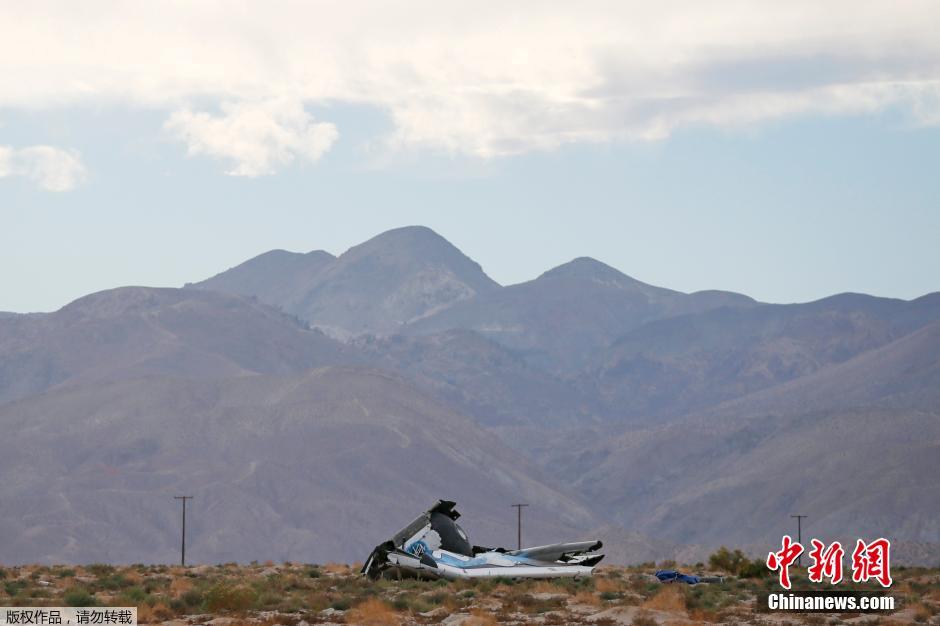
column 519, row 527
column 183, row 546
column 799, row 536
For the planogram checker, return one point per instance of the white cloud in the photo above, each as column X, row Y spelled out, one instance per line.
column 485, row 79
column 256, row 137
column 53, row 169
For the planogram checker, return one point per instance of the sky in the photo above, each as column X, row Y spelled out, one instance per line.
column 788, row 151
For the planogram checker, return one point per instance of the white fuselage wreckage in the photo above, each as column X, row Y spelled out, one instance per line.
column 435, row 546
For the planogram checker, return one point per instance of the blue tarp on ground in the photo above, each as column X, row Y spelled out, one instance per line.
column 672, row 576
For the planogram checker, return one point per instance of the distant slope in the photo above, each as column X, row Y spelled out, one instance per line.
column 557, row 320
column 904, row 374
column 315, row 467
column 274, row 277
column 685, row 364
column 134, row 331
column 859, row 473
column 484, row 379
column 856, row 446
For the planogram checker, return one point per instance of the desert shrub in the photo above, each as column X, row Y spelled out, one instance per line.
column 147, row 614
column 192, row 598
column 41, row 572
column 314, row 572
column 736, row 562
column 373, row 612
column 341, row 604
column 268, row 599
column 317, row 602
column 13, row 587
column 534, row 605
column 726, row 560
column 78, row 596
column 669, row 598
column 3, row 573
column 134, row 595
column 66, row 573
column 437, row 597
column 753, row 569
column 100, row 569
column 113, row 581
column 223, row 598
column 586, row 597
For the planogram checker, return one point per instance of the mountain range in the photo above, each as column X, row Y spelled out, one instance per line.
column 315, row 403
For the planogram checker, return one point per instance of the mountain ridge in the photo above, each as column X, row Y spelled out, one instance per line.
column 633, row 406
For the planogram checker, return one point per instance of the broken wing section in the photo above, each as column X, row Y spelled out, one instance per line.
column 572, row 552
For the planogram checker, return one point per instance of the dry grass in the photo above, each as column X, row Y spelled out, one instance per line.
column 586, row 597
column 543, row 586
column 301, row 591
column 607, row 585
column 179, row 586
column 669, row 598
column 159, row 612
column 373, row 612
column 501, row 591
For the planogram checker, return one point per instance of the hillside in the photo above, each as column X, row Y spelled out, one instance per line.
column 137, row 331
column 399, row 372
column 319, row 466
column 857, row 444
column 557, row 320
column 681, row 365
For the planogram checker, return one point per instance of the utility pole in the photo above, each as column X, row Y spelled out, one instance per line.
column 799, row 536
column 183, row 547
column 519, row 527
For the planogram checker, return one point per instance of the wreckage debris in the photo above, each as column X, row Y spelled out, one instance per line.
column 435, row 546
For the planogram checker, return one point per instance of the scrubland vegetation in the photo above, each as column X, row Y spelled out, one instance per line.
column 293, row 594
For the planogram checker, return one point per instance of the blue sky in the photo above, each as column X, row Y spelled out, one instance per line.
column 787, row 167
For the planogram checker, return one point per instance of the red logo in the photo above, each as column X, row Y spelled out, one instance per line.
column 783, row 559
column 869, row 561
column 827, row 562
column 872, row 560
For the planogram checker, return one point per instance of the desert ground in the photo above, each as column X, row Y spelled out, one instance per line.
column 295, row 594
